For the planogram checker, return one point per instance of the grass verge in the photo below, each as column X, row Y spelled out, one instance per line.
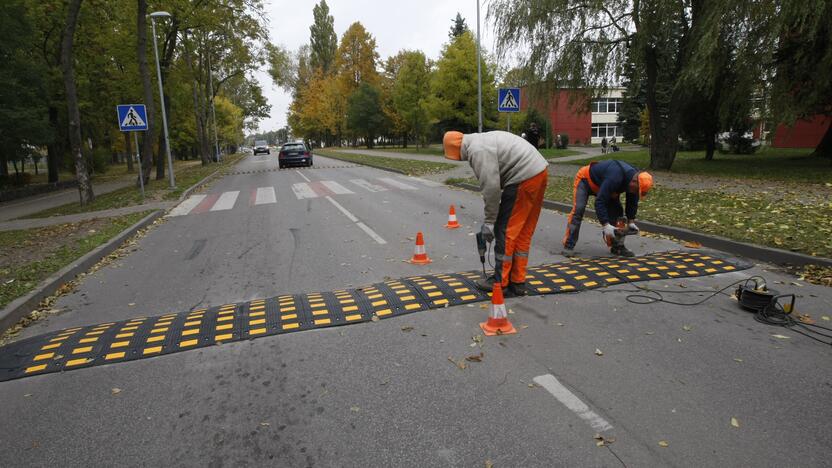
column 187, row 174
column 431, row 150
column 785, row 164
column 29, row 256
column 408, row 166
column 549, row 153
column 786, row 223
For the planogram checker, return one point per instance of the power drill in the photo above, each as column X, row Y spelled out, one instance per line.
column 481, row 248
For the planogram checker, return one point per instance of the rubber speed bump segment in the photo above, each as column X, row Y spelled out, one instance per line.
column 146, row 337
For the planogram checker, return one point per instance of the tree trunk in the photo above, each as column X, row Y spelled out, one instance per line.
column 168, row 46
column 664, row 124
column 53, row 153
column 824, row 148
column 128, row 150
column 200, row 128
column 141, row 55
column 4, row 166
column 710, row 143
column 73, row 114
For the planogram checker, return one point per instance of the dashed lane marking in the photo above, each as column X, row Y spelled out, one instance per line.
column 373, row 235
column 572, row 402
column 146, row 337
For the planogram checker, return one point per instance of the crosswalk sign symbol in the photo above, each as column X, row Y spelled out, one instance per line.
column 508, row 100
column 132, row 117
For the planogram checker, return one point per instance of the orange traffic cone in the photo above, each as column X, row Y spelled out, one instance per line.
column 420, row 257
column 452, row 222
column 497, row 323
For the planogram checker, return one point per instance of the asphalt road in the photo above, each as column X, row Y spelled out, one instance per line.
column 381, row 394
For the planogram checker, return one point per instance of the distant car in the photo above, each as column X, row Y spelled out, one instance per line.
column 261, row 146
column 294, row 154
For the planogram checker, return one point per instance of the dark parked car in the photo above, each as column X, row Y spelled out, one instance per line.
column 294, row 154
column 261, row 146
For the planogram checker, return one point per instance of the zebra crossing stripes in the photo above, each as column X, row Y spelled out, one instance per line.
column 396, row 184
column 186, row 206
column 226, row 201
column 336, row 188
column 264, row 196
column 303, row 190
column 368, row 186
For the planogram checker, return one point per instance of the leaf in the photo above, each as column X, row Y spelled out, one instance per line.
column 265, row 424
column 489, row 464
column 560, row 324
column 781, row 337
column 734, row 422
column 598, row 352
column 461, row 364
column 375, row 318
column 115, row 391
column 407, row 329
column 692, row 244
column 355, row 409
column 131, row 304
column 663, row 443
column 475, row 358
column 738, row 359
column 649, row 333
column 687, row 328
column 825, row 317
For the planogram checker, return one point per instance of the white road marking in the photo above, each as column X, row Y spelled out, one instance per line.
column 396, row 183
column 226, row 201
column 426, row 182
column 304, row 177
column 265, row 195
column 369, row 186
column 355, row 220
column 186, row 206
column 335, row 187
column 303, row 190
column 551, row 384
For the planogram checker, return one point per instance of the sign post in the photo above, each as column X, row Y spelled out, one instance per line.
column 508, row 100
column 133, row 118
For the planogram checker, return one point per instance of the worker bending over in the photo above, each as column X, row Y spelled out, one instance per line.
column 512, row 176
column 607, row 180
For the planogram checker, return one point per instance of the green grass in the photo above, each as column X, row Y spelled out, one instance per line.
column 783, row 164
column 557, row 153
column 19, row 279
column 786, row 223
column 431, row 150
column 187, row 174
column 408, row 166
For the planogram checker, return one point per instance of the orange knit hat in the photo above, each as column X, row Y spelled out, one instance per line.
column 452, row 143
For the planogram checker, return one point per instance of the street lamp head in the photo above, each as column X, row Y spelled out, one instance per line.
column 160, row 14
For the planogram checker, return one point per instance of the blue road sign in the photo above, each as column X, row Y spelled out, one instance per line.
column 508, row 100
column 132, row 117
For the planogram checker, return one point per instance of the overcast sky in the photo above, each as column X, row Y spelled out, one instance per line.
column 396, row 25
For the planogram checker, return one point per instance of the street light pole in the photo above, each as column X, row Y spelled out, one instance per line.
column 213, row 110
column 153, row 16
column 479, row 73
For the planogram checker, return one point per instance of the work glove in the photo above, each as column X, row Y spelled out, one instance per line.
column 609, row 230
column 632, row 226
column 487, row 231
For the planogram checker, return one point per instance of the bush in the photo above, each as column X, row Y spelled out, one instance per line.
column 99, row 160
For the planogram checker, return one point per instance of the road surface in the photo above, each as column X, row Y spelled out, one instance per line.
column 660, row 382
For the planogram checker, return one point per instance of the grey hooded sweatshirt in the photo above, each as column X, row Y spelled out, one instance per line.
column 500, row 159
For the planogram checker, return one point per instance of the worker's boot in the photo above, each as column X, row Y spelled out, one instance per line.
column 518, row 289
column 621, row 251
column 485, row 284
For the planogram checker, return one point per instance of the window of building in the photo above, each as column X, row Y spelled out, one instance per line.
column 609, row 130
column 606, row 105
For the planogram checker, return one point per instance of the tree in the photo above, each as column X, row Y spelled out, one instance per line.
column 410, row 93
column 458, row 27
column 364, row 113
column 802, row 84
column 585, row 45
column 68, row 68
column 323, row 41
column 144, row 72
column 453, row 102
column 355, row 64
column 633, row 102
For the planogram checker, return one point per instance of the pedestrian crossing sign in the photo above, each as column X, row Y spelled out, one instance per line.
column 132, row 117
column 508, row 100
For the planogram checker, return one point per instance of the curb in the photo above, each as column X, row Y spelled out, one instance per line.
column 198, row 184
column 22, row 306
column 757, row 252
column 376, row 166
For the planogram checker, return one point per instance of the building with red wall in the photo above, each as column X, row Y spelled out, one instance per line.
column 571, row 112
column 803, row 134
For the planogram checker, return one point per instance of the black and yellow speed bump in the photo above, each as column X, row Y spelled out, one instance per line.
column 145, row 337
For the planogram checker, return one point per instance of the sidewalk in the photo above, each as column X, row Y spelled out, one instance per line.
column 74, row 218
column 27, row 206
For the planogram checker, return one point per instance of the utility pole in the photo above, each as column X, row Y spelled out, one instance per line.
column 479, row 74
column 153, row 16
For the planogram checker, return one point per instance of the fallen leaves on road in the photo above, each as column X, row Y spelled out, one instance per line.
column 115, row 391
column 663, row 443
column 407, row 329
column 489, row 464
column 265, row 424
column 738, row 359
column 687, row 328
column 825, row 317
column 475, row 357
column 560, row 324
column 781, row 337
column 460, row 364
column 805, row 318
column 735, row 423
column 375, row 318
column 355, row 409
column 693, row 245
column 649, row 333
column 598, row 352
column 601, row 441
